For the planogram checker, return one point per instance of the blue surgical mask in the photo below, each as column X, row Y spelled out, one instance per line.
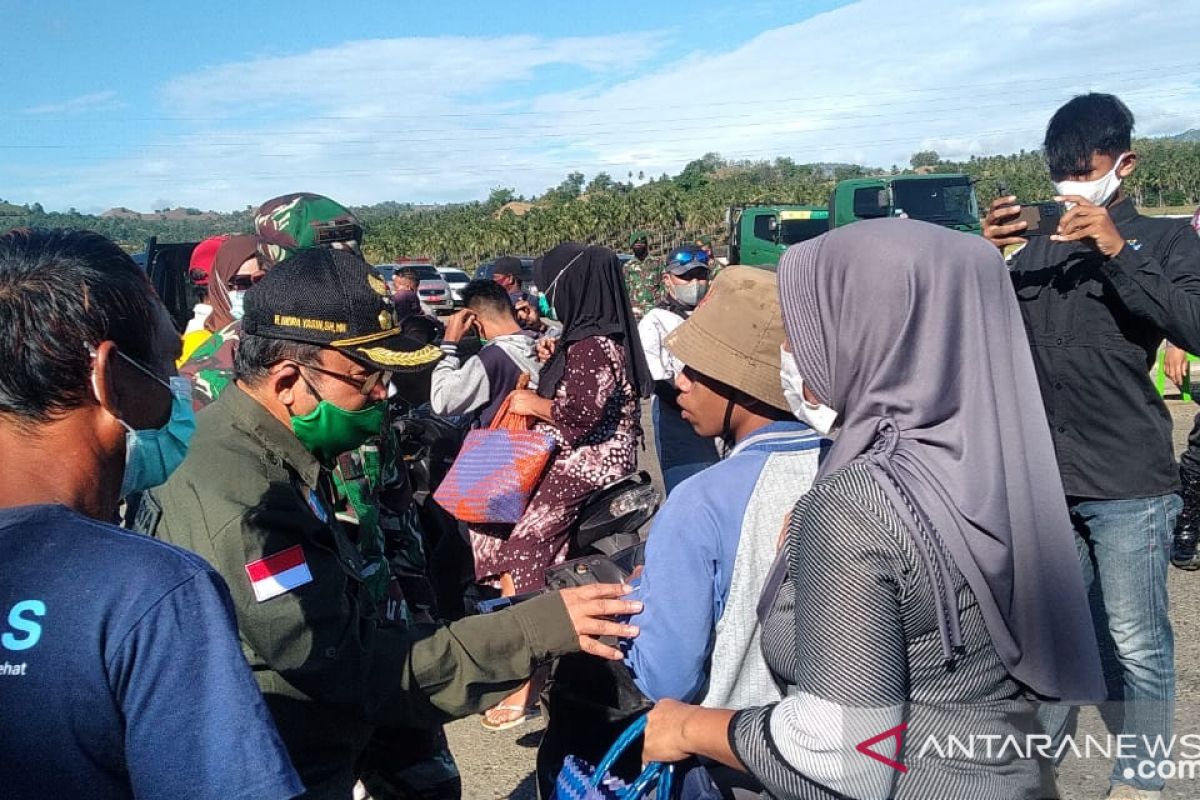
column 151, row 455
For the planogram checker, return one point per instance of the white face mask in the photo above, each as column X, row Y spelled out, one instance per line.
column 237, row 304
column 819, row 416
column 1098, row 192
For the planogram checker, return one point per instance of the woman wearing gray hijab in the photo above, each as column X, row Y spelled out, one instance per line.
column 932, row 587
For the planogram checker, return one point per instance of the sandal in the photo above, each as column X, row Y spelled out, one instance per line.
column 526, row 713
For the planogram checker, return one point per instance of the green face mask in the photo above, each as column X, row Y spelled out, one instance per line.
column 328, row 430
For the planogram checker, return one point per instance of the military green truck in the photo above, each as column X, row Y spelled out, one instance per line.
column 943, row 198
column 758, row 234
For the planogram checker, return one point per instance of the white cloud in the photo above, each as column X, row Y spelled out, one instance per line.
column 436, row 119
column 76, row 105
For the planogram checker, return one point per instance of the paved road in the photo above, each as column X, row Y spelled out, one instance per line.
column 496, row 765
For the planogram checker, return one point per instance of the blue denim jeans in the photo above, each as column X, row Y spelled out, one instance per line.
column 1125, row 549
column 681, row 453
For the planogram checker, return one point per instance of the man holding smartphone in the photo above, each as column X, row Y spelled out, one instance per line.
column 1098, row 296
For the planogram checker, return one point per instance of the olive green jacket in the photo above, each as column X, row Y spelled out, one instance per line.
column 328, row 667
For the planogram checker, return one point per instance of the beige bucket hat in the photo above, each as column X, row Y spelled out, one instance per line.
column 735, row 334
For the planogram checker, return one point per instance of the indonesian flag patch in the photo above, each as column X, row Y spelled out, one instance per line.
column 279, row 573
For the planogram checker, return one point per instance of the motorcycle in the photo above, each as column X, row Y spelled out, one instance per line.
column 427, row 446
column 608, row 540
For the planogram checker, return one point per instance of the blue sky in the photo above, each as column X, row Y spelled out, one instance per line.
column 221, row 104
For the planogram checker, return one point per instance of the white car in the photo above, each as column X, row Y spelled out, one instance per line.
column 457, row 280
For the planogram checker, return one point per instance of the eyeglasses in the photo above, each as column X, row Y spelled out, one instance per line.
column 138, row 366
column 688, row 256
column 240, row 283
column 364, row 383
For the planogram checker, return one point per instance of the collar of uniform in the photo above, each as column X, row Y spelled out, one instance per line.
column 1123, row 210
column 277, row 438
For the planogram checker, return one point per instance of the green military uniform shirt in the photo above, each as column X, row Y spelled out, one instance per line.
column 643, row 281
column 254, row 503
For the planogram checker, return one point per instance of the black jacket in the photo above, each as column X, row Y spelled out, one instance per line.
column 1095, row 326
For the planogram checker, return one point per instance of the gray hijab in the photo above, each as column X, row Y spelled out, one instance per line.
column 912, row 333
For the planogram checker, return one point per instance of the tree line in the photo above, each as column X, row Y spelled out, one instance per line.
column 673, row 209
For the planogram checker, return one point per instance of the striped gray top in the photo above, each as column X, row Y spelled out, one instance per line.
column 853, row 639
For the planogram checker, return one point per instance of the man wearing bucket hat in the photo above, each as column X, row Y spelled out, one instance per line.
column 715, row 539
column 254, row 498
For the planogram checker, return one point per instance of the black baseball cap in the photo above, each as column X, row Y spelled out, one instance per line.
column 333, row 298
column 507, row 265
column 688, row 258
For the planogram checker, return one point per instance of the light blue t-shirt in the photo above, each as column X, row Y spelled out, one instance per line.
column 690, row 558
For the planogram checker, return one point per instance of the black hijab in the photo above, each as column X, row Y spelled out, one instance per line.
column 585, row 288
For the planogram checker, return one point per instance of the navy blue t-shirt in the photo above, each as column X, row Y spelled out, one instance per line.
column 121, row 674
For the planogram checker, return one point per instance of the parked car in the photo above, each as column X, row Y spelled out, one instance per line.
column 527, row 283
column 457, row 280
column 434, row 290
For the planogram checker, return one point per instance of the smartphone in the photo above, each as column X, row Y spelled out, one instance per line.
column 1041, row 219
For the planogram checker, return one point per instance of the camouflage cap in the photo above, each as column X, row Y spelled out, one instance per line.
column 302, row 220
column 639, row 236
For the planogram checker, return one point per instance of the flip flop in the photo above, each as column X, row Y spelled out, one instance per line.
column 527, row 713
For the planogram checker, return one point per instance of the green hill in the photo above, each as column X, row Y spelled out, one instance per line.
column 675, row 209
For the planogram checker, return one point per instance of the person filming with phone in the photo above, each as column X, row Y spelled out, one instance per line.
column 1099, row 292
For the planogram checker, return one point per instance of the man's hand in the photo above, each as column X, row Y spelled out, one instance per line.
column 526, row 314
column 546, row 348
column 458, row 325
column 1175, row 364
column 1090, row 223
column 591, row 607
column 998, row 227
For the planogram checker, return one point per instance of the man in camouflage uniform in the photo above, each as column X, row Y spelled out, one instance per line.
column 284, row 225
column 388, row 534
column 643, row 275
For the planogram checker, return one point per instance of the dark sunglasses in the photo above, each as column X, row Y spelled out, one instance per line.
column 695, row 274
column 240, row 283
column 364, row 383
column 688, row 256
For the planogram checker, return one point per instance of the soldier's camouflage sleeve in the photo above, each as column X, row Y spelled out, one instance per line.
column 210, row 367
column 643, row 281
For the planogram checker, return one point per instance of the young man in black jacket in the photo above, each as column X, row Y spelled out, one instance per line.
column 1098, row 297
